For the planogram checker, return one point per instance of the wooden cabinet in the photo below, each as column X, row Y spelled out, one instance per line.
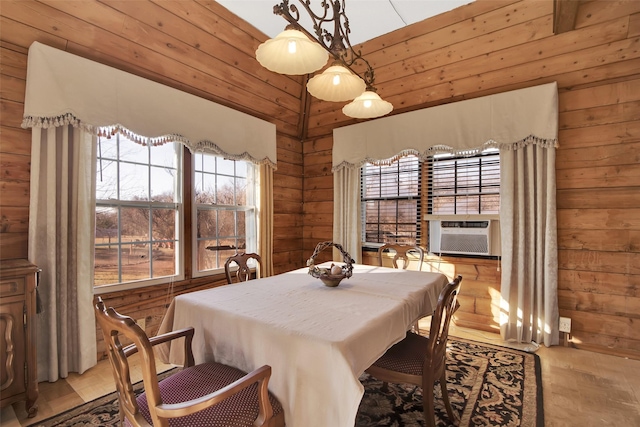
column 18, row 369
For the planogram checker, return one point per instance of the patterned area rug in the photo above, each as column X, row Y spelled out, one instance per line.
column 488, row 386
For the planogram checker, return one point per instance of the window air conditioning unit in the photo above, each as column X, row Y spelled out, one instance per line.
column 465, row 237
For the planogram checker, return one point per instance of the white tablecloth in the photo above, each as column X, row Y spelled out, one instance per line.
column 318, row 340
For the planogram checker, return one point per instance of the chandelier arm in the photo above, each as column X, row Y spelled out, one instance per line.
column 337, row 44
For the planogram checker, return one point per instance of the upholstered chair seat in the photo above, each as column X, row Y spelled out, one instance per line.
column 191, row 383
column 407, row 356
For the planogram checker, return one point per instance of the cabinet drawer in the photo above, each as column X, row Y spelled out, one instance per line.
column 13, row 286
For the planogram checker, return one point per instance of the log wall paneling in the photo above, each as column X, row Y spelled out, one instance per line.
column 482, row 48
column 198, row 47
column 491, row 47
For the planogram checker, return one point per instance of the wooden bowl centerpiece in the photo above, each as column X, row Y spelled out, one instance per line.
column 333, row 275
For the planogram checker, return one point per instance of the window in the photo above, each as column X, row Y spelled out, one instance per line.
column 464, row 185
column 393, row 195
column 225, row 210
column 138, row 211
column 391, row 202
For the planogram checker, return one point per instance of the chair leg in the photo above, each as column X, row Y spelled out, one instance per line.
column 445, row 397
column 429, row 409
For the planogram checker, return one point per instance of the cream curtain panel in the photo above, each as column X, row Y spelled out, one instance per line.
column 68, row 101
column 61, row 227
column 346, row 213
column 516, row 122
column 529, row 310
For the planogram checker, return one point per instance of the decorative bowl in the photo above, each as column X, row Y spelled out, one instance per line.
column 333, row 275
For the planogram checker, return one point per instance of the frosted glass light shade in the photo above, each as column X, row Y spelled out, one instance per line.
column 291, row 52
column 336, row 84
column 367, row 106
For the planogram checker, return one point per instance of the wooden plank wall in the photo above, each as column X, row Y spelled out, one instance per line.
column 195, row 46
column 489, row 47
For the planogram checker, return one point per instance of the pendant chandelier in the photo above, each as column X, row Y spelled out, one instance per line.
column 297, row 51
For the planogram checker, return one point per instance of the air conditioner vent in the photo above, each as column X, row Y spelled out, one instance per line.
column 464, row 237
column 465, row 243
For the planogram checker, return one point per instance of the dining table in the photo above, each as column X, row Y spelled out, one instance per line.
column 318, row 339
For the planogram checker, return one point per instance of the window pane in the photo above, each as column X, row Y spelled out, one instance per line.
column 225, row 166
column 241, row 223
column 135, row 262
column 206, row 258
column 241, row 169
column 407, row 211
column 467, row 205
column 204, row 191
column 241, row 191
column 208, row 164
column 106, row 224
column 135, row 224
column 225, row 191
column 164, row 155
column 108, row 148
column 490, row 204
column 444, row 206
column 387, row 209
column 132, row 151
column 164, row 260
column 106, row 265
column 106, row 180
column 207, row 223
column 163, row 225
column 134, row 182
column 226, row 223
column 163, row 180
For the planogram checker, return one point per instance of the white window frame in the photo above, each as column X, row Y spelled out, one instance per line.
column 178, row 205
column 250, row 209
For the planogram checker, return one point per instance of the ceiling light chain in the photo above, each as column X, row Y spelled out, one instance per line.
column 296, row 51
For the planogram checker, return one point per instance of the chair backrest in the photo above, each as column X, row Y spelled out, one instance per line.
column 406, row 253
column 243, row 273
column 439, row 331
column 113, row 326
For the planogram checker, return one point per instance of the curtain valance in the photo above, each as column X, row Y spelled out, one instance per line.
column 505, row 120
column 63, row 88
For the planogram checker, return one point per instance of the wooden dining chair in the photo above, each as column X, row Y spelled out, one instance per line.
column 243, row 272
column 420, row 360
column 210, row 394
column 406, row 253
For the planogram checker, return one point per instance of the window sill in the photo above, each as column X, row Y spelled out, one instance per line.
column 118, row 287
